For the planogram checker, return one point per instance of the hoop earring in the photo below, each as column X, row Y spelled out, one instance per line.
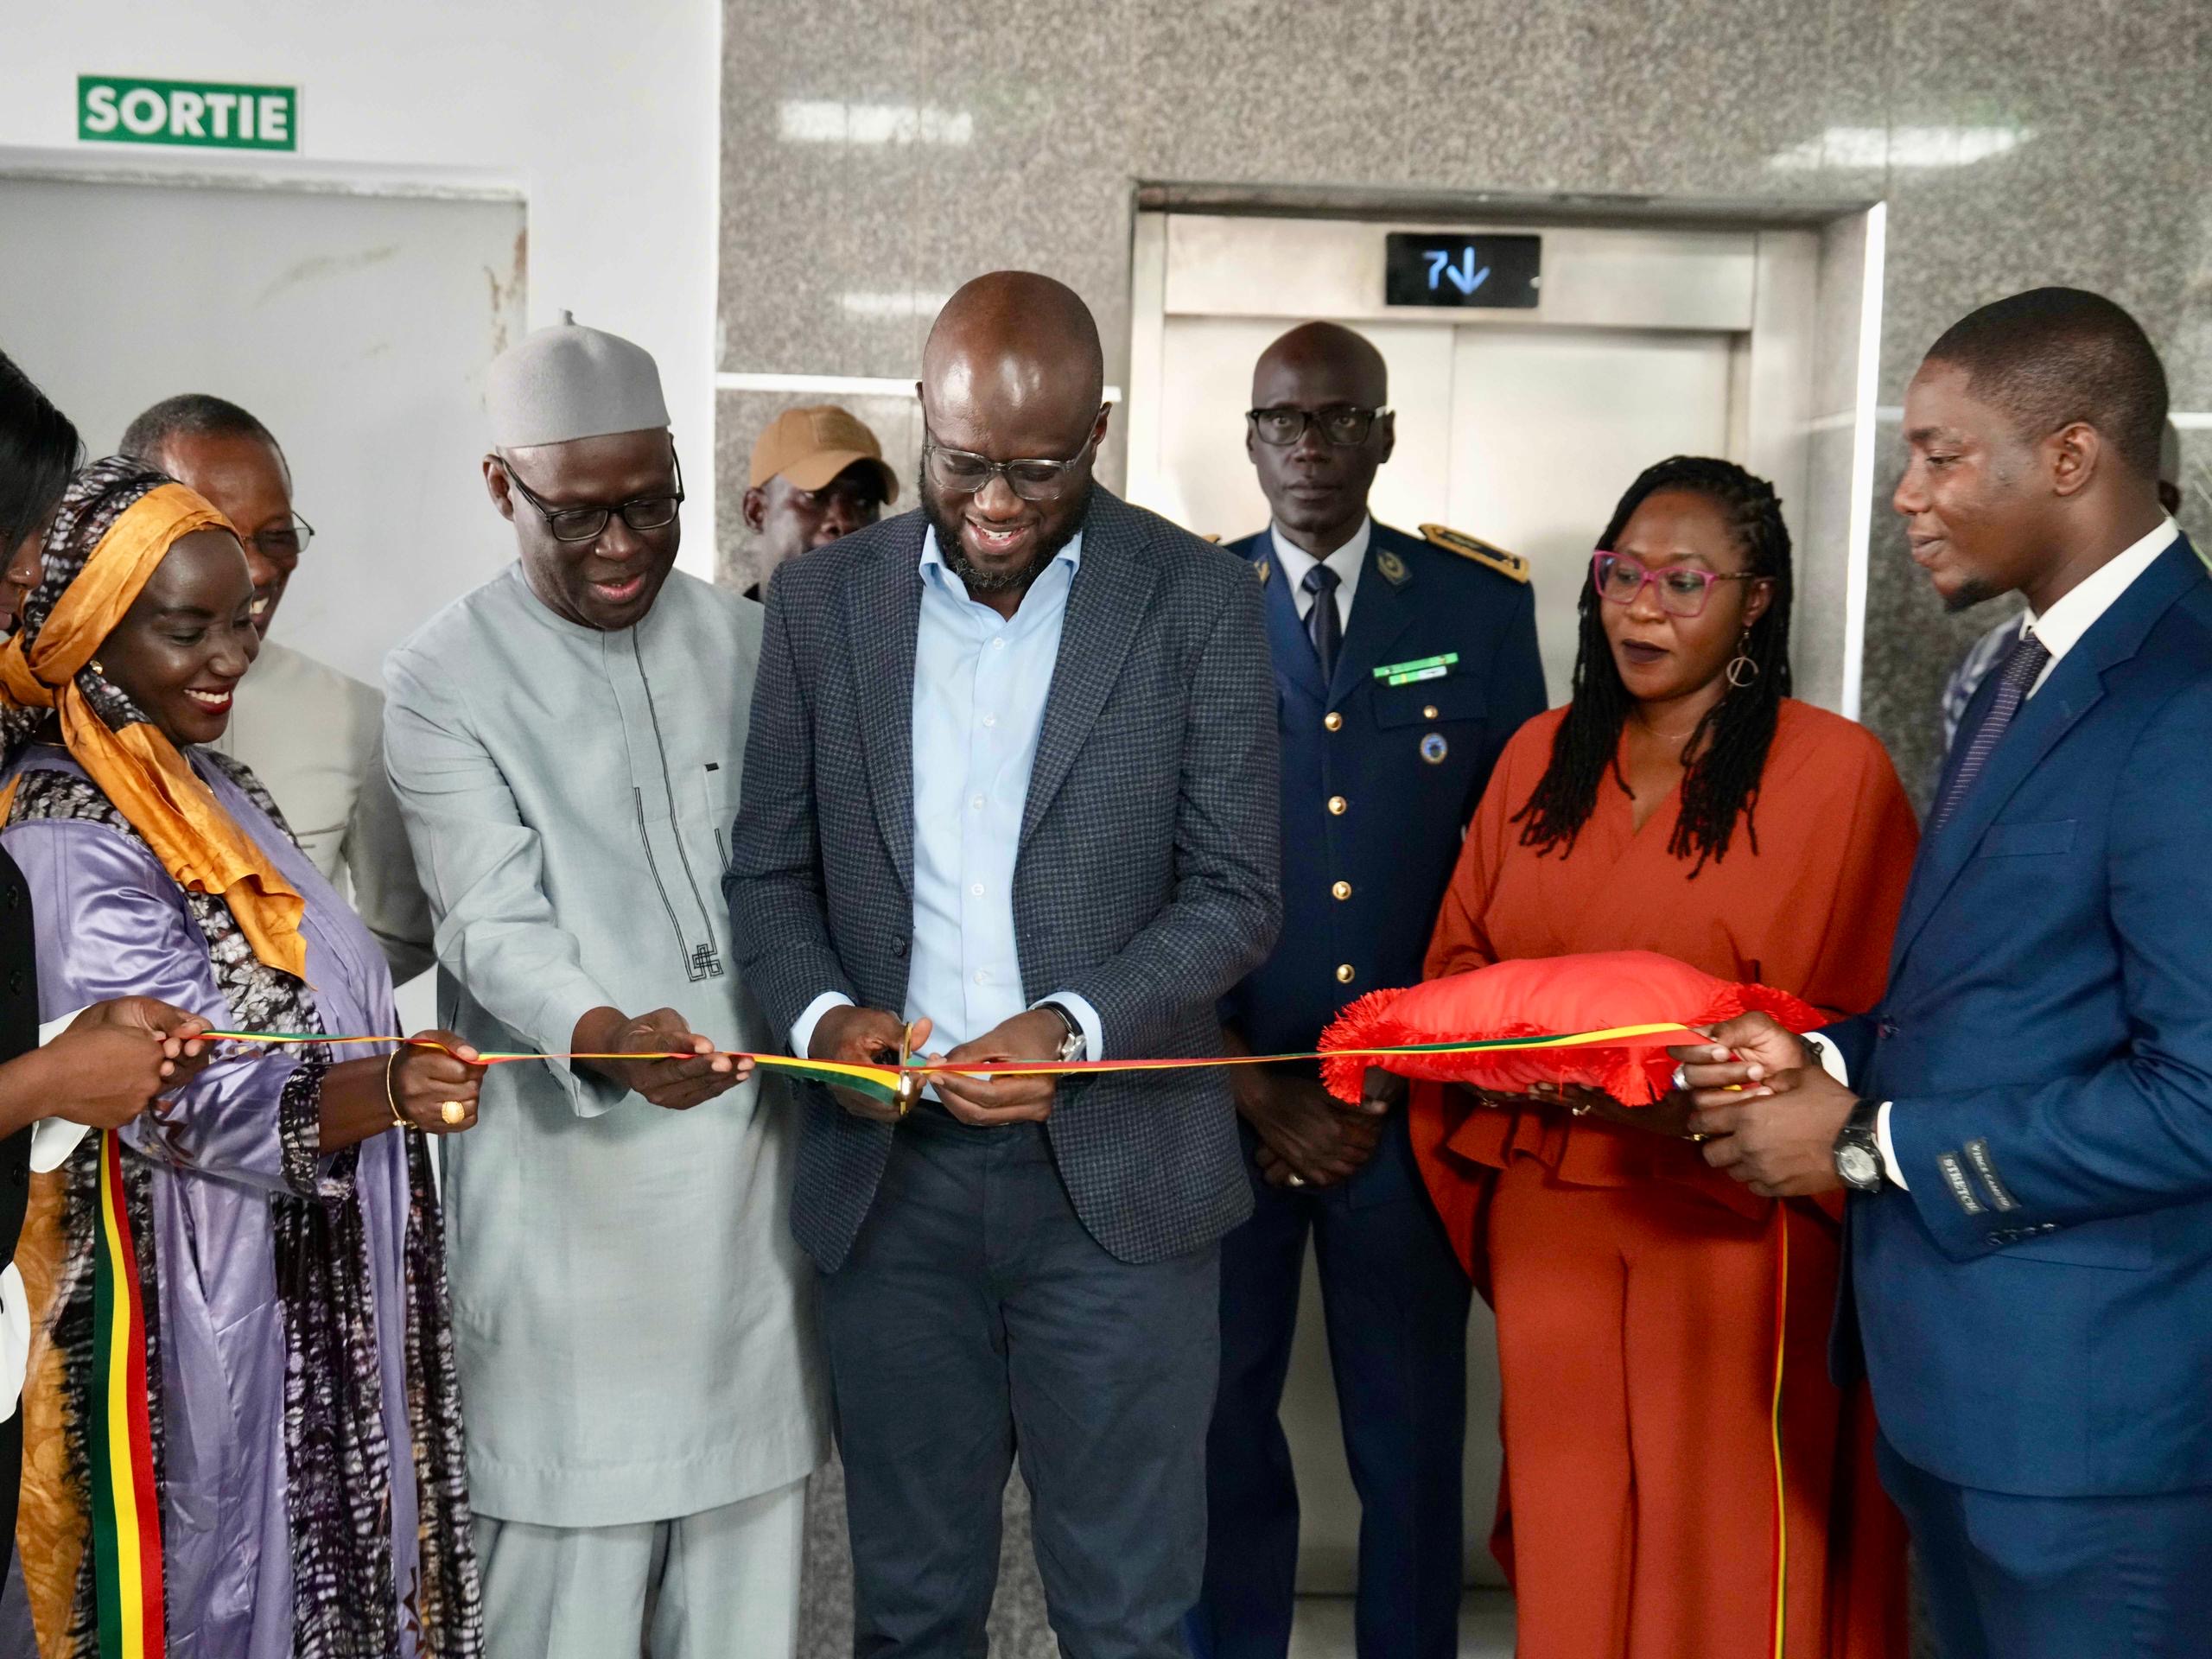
column 1742, row 670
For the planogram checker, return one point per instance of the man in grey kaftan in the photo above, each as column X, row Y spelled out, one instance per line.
column 642, row 1399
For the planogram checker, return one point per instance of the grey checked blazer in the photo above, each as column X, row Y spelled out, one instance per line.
column 1147, row 880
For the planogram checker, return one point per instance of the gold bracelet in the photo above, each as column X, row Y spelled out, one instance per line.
column 390, row 1098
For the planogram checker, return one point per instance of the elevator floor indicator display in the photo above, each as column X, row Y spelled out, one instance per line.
column 1432, row 268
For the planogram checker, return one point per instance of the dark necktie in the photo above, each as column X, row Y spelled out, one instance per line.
column 1321, row 625
column 2014, row 676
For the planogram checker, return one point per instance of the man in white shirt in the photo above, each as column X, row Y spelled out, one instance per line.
column 312, row 735
column 2026, row 1129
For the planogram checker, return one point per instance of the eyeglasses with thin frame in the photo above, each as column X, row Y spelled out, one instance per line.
column 1344, row 424
column 640, row 512
column 280, row 543
column 962, row 471
column 1683, row 590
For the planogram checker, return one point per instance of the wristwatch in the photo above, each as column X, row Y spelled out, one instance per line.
column 1859, row 1150
column 1071, row 1046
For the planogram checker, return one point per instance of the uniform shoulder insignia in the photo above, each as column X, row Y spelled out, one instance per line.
column 1471, row 547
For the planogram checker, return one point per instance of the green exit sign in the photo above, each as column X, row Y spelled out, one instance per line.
column 210, row 114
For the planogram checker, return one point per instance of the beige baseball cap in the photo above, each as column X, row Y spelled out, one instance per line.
column 811, row 446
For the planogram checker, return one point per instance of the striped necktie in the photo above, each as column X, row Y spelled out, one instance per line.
column 2014, row 676
column 1321, row 625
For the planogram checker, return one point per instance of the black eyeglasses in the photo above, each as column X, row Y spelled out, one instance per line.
column 1340, row 423
column 962, row 471
column 280, row 543
column 640, row 512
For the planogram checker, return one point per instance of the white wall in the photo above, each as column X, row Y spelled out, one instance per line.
column 605, row 115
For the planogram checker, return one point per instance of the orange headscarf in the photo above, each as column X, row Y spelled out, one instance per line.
column 137, row 768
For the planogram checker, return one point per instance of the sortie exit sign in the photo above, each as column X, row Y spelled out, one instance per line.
column 114, row 110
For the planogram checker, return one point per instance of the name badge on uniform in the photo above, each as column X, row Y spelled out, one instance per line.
column 1421, row 668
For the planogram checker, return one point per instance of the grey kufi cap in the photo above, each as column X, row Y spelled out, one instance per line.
column 571, row 382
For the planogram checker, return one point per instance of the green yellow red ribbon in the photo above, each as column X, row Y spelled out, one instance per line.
column 126, row 1519
column 888, row 1082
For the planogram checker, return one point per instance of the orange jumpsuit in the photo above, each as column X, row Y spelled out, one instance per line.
column 1635, row 1288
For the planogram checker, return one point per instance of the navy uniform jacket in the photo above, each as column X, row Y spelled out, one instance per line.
column 1379, row 780
column 2035, row 1315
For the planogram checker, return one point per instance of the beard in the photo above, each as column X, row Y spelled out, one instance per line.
column 978, row 581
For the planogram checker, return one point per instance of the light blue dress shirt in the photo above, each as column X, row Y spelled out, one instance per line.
column 981, row 682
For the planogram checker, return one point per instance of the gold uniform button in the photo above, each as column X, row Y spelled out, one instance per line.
column 1333, row 721
column 1337, row 805
column 1342, row 889
column 1428, row 711
column 1344, row 973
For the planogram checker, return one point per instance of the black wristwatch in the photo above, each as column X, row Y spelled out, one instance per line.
column 1859, row 1150
column 1073, row 1044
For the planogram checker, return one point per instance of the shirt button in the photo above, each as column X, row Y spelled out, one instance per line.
column 990, row 719
column 998, row 645
column 982, row 976
column 976, row 889
column 1333, row 721
column 1337, row 805
column 15, row 981
column 974, row 803
column 1343, row 889
column 1344, row 973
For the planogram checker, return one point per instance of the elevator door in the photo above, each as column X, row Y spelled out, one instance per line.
column 1525, row 437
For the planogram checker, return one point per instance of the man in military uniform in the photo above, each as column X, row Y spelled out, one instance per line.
column 1401, row 667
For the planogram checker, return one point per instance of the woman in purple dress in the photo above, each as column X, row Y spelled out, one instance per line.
column 301, row 1414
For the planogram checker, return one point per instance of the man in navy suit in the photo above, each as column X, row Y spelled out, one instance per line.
column 2027, row 1121
column 1401, row 668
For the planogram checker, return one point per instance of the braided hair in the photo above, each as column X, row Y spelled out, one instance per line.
column 1729, row 745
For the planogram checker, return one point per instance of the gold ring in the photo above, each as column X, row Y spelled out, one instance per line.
column 453, row 1111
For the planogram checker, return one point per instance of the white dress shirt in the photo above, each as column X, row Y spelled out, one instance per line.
column 53, row 1139
column 1347, row 561
column 2060, row 629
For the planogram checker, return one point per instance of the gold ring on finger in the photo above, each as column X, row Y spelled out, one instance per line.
column 453, row 1111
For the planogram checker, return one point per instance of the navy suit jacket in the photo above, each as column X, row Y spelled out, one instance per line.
column 1408, row 761
column 2035, row 1315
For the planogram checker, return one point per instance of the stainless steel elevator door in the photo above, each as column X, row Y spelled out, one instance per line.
column 1548, row 426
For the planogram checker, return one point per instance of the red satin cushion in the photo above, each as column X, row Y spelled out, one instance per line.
column 1548, row 997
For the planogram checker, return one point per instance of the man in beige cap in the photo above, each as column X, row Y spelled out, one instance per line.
column 643, row 1405
column 818, row 474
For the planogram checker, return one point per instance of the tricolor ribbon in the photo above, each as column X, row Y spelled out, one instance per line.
column 126, row 1517
column 885, row 1082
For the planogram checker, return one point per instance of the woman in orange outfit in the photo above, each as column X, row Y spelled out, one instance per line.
column 1682, row 802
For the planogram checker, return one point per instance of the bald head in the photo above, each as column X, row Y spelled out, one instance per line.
column 1013, row 373
column 1325, row 354
column 1014, row 348
column 1318, row 430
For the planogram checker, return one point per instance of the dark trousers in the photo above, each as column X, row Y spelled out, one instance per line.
column 2059, row 1578
column 977, row 1318
column 1395, row 1302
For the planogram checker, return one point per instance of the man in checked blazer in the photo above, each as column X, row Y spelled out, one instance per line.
column 1012, row 778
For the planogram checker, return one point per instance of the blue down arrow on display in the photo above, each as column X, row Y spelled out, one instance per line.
column 1465, row 276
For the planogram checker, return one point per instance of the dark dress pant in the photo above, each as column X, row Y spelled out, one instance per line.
column 1396, row 1303
column 2009, row 1577
column 976, row 1320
